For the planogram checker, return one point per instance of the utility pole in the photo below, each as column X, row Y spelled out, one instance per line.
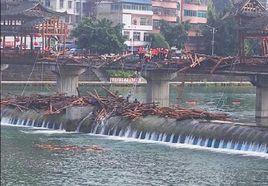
column 213, row 29
column 81, row 16
column 132, row 40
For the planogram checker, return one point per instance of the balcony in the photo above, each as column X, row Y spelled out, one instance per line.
column 138, row 12
column 138, row 27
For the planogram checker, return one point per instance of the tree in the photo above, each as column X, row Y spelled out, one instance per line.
column 99, row 36
column 174, row 33
column 225, row 35
column 158, row 41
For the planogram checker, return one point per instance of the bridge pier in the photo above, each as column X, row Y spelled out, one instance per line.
column 68, row 78
column 158, row 86
column 261, row 83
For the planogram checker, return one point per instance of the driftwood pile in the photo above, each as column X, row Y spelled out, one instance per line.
column 105, row 107
column 73, row 148
column 54, row 104
column 114, row 105
column 215, row 61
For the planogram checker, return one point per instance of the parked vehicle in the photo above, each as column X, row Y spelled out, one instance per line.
column 76, row 51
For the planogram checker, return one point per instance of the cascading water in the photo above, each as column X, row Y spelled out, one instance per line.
column 212, row 135
column 31, row 123
column 235, row 137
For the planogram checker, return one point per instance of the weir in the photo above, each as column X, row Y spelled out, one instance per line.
column 68, row 78
column 222, row 135
column 158, row 86
column 261, row 83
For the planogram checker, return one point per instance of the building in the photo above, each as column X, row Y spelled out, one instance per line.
column 72, row 7
column 136, row 17
column 195, row 13
column 31, row 26
column 168, row 10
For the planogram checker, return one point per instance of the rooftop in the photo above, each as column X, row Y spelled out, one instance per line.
column 249, row 8
column 30, row 9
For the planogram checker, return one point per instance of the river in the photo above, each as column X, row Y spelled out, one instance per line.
column 127, row 161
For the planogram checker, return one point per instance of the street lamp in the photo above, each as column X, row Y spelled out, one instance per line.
column 213, row 29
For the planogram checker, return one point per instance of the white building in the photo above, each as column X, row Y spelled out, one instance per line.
column 135, row 15
column 72, row 7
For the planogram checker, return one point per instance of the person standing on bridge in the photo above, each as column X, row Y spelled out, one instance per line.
column 141, row 52
column 148, row 55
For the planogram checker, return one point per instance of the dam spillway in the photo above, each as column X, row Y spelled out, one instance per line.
column 211, row 134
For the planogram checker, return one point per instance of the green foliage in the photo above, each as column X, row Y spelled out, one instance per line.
column 99, row 36
column 252, row 47
column 158, row 41
column 174, row 33
column 225, row 35
column 121, row 73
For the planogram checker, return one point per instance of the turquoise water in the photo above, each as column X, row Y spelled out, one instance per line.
column 123, row 163
column 134, row 162
column 211, row 98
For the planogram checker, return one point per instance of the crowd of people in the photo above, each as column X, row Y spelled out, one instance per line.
column 153, row 54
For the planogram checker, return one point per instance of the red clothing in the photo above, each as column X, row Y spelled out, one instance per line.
column 141, row 50
column 154, row 52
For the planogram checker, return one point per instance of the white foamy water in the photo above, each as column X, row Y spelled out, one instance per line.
column 129, row 135
column 46, row 131
column 187, row 146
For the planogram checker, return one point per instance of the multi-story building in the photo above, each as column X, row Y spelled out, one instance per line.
column 136, row 17
column 72, row 7
column 195, row 13
column 168, row 10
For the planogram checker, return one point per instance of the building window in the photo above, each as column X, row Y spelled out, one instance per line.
column 72, row 18
column 115, row 7
column 143, row 21
column 190, row 13
column 164, row 11
column 85, row 8
column 61, row 3
column 136, row 36
column 70, row 4
column 156, row 24
column 134, row 22
column 77, row 18
column 201, row 13
column 67, row 19
column 47, row 3
column 137, row 7
column 77, row 7
column 178, row 6
column 146, row 37
column 126, row 35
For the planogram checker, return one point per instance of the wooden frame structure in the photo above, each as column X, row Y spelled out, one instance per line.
column 252, row 22
column 32, row 20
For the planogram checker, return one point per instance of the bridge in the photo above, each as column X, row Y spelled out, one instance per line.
column 157, row 73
